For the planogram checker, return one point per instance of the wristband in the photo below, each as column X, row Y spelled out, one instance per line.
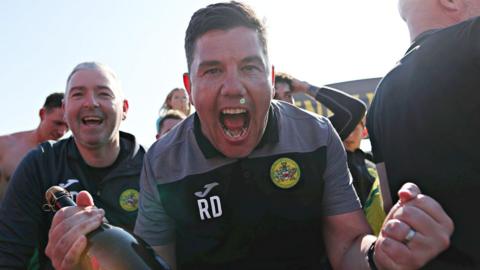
column 370, row 252
column 312, row 91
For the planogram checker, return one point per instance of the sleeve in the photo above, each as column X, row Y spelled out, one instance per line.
column 21, row 216
column 347, row 110
column 153, row 224
column 339, row 195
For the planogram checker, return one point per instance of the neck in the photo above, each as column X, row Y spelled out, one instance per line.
column 102, row 156
column 420, row 24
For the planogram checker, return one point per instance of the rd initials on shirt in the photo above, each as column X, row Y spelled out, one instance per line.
column 209, row 207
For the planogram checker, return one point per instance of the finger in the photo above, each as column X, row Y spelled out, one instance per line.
column 74, row 254
column 395, row 229
column 408, row 192
column 382, row 258
column 62, row 236
column 433, row 209
column 66, row 212
column 84, row 198
column 416, row 218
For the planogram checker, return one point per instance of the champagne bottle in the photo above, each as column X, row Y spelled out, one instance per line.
column 111, row 247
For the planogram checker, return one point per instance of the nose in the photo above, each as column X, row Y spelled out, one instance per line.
column 232, row 84
column 90, row 99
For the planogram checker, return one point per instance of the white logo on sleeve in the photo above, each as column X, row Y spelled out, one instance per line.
column 210, row 207
column 68, row 183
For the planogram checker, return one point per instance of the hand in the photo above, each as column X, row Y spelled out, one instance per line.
column 67, row 233
column 431, row 226
column 299, row 86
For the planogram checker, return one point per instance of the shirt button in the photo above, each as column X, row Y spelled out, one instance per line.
column 99, row 193
column 247, row 174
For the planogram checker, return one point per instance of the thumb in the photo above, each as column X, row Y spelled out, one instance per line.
column 84, row 199
column 408, row 192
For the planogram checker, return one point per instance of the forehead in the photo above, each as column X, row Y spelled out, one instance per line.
column 222, row 45
column 92, row 78
column 55, row 113
column 178, row 93
column 282, row 86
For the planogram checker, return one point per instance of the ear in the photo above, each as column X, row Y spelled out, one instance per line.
column 188, row 87
column 42, row 113
column 125, row 109
column 273, row 81
column 364, row 133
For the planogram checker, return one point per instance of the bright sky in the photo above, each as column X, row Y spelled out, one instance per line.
column 320, row 41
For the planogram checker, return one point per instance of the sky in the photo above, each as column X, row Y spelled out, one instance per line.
column 319, row 41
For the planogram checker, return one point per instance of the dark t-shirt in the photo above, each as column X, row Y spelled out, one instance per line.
column 424, row 124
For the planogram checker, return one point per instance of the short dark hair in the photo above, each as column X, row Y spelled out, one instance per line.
column 222, row 16
column 170, row 114
column 281, row 77
column 53, row 101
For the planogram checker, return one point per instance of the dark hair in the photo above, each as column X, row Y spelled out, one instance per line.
column 170, row 114
column 222, row 16
column 53, row 101
column 281, row 77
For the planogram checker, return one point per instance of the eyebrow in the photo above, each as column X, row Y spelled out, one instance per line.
column 254, row 58
column 209, row 63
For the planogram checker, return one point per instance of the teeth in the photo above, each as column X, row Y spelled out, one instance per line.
column 91, row 118
column 233, row 111
column 234, row 133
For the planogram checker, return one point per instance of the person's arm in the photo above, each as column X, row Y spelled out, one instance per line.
column 348, row 243
column 347, row 110
column 153, row 224
column 21, row 216
column 347, row 234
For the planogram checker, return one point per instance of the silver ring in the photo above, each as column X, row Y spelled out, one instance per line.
column 411, row 233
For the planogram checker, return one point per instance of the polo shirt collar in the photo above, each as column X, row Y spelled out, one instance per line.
column 209, row 151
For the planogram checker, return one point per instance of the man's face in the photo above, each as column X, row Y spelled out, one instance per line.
column 94, row 108
column 283, row 92
column 352, row 142
column 52, row 123
column 231, row 89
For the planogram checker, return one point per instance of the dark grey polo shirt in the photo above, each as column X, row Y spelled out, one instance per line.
column 220, row 210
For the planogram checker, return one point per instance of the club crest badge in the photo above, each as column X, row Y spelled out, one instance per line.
column 285, row 173
column 129, row 200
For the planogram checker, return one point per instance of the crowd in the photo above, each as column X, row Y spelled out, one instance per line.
column 240, row 178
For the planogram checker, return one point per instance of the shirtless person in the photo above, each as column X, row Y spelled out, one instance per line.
column 13, row 147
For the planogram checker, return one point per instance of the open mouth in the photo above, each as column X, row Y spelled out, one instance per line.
column 92, row 120
column 234, row 122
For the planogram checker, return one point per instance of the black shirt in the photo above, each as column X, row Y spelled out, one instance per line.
column 424, row 125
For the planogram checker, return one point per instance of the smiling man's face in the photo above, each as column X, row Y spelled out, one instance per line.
column 94, row 108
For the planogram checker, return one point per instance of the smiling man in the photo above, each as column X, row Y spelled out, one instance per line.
column 237, row 186
column 98, row 158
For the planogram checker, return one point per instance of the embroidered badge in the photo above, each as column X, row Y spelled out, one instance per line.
column 129, row 200
column 285, row 173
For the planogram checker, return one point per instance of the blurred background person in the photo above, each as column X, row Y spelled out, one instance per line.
column 13, row 147
column 168, row 121
column 176, row 100
column 347, row 110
